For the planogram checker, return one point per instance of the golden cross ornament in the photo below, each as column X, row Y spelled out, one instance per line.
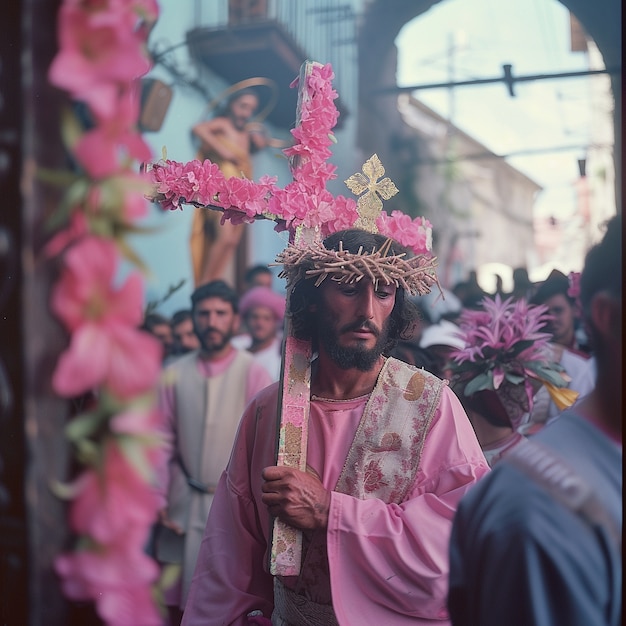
column 369, row 204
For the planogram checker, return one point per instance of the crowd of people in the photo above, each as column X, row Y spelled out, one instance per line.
column 445, row 430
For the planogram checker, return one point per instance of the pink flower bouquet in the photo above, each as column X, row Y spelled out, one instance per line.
column 505, row 353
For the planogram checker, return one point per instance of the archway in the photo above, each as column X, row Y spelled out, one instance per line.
column 379, row 119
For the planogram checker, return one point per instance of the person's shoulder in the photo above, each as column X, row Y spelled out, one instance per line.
column 573, row 359
column 265, row 398
column 181, row 362
column 419, row 381
column 269, row 393
column 239, row 356
column 178, row 370
column 410, row 371
column 258, row 371
column 242, row 341
column 579, row 442
column 247, row 360
column 218, row 120
column 506, row 499
column 560, row 431
column 570, row 440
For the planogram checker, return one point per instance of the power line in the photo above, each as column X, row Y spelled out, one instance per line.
column 526, row 152
column 507, row 78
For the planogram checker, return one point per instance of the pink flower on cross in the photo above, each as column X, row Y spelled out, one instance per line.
column 248, row 197
column 415, row 234
column 197, row 181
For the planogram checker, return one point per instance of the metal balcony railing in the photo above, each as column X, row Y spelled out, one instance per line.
column 323, row 30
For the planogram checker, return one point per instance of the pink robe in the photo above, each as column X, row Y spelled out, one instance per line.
column 388, row 563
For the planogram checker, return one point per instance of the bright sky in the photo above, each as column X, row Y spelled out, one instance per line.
column 534, row 37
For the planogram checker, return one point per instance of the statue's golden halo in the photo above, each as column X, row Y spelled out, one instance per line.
column 256, row 81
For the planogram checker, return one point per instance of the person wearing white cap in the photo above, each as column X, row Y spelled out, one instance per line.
column 440, row 340
column 440, row 306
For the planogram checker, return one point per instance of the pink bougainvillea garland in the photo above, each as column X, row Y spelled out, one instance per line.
column 114, row 501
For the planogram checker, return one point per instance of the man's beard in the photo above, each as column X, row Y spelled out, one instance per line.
column 214, row 345
column 362, row 359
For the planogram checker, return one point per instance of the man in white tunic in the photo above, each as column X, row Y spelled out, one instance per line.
column 203, row 395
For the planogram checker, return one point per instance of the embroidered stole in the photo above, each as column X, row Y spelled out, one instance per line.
column 385, row 454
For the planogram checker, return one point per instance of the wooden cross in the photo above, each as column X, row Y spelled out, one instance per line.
column 294, row 402
column 295, row 379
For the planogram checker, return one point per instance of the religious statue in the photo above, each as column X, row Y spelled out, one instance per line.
column 228, row 139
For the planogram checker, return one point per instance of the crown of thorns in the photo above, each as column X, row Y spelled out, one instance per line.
column 415, row 274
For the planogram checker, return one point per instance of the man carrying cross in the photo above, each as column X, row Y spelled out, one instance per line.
column 390, row 453
column 387, row 449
